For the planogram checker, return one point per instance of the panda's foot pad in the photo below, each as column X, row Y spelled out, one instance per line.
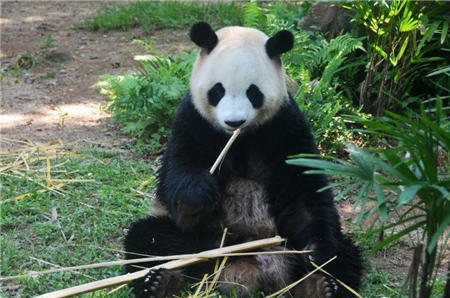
column 317, row 285
column 328, row 285
column 160, row 282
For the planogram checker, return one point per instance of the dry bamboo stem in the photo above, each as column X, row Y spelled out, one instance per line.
column 201, row 257
column 224, row 150
column 152, row 259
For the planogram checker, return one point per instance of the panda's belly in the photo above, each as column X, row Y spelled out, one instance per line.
column 246, row 210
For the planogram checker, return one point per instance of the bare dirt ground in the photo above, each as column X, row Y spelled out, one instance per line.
column 56, row 101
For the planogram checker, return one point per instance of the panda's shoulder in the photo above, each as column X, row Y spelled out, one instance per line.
column 190, row 124
column 187, row 117
column 291, row 117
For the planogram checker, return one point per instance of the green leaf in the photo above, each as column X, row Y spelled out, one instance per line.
column 392, row 225
column 444, row 32
column 381, row 51
column 401, row 52
column 362, row 199
column 397, row 236
column 409, row 194
column 427, row 36
column 442, row 70
column 408, row 24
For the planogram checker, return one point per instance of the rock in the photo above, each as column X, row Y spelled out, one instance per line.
column 328, row 19
column 292, row 86
column 46, row 27
column 59, row 56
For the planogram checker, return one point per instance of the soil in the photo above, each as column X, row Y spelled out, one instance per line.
column 55, row 100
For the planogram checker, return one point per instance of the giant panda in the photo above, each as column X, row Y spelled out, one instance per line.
column 238, row 81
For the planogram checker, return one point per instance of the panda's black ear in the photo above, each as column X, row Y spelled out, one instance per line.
column 204, row 36
column 280, row 43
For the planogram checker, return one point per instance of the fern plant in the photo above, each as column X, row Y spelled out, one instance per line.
column 315, row 64
column 145, row 103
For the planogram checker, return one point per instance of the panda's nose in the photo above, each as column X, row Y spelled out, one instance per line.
column 235, row 123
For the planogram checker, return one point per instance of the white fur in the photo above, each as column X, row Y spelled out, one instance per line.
column 238, row 60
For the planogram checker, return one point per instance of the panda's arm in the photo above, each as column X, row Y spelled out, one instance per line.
column 185, row 185
column 306, row 217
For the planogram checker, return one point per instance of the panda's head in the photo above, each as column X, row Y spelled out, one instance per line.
column 238, row 80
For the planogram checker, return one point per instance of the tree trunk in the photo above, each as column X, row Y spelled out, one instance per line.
column 427, row 271
column 411, row 280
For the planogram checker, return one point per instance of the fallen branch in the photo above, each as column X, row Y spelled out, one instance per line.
column 201, row 257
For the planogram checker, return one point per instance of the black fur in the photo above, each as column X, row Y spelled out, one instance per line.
column 280, row 43
column 215, row 94
column 204, row 36
column 303, row 216
column 255, row 96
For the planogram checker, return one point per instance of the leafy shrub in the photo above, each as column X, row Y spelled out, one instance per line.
column 315, row 64
column 405, row 40
column 146, row 103
column 409, row 179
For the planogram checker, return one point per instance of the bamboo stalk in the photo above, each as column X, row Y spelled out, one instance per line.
column 224, row 150
column 201, row 257
column 153, row 259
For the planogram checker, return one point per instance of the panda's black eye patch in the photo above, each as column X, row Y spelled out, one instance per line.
column 215, row 94
column 255, row 96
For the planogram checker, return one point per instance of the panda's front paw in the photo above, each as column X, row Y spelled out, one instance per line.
column 198, row 201
column 204, row 192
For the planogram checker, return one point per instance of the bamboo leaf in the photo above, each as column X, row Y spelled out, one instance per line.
column 392, row 225
column 444, row 32
column 402, row 49
column 381, row 51
column 397, row 236
column 427, row 36
column 437, row 72
column 408, row 194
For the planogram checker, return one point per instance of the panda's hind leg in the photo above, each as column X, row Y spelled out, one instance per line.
column 247, row 276
column 347, row 267
column 155, row 236
column 317, row 286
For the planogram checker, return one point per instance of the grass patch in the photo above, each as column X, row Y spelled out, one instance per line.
column 88, row 224
column 170, row 14
column 84, row 226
